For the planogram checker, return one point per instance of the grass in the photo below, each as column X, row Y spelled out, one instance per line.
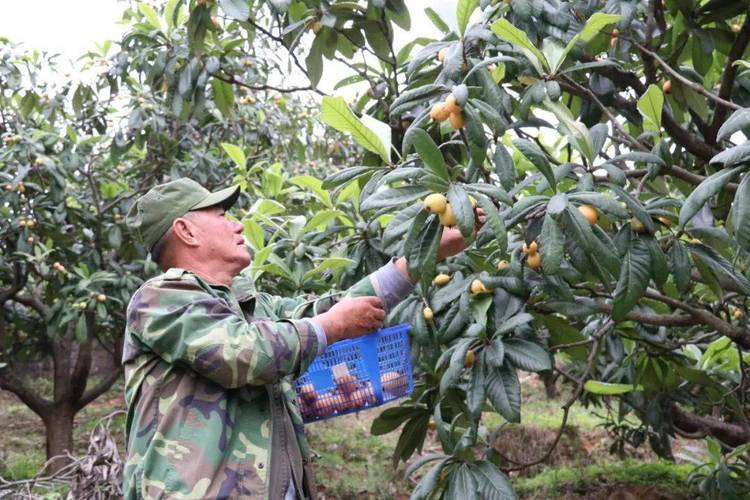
column 555, row 482
column 353, row 464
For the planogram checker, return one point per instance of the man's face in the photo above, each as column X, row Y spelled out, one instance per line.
column 221, row 240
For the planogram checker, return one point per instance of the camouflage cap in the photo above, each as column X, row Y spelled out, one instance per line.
column 153, row 213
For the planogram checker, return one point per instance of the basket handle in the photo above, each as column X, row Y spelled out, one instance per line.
column 370, row 347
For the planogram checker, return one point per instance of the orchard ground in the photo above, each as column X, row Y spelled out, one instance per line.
column 354, row 464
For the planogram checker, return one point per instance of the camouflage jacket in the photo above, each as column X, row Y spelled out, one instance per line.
column 209, row 371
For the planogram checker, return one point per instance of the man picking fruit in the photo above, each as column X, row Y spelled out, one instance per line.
column 210, row 362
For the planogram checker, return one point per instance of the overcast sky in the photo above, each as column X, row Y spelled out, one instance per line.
column 72, row 27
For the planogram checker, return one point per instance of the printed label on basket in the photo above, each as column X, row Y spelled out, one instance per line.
column 356, row 374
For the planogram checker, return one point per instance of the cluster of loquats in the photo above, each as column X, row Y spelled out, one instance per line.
column 452, row 108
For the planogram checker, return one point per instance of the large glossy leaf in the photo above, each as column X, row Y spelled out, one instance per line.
column 462, row 209
column 504, row 392
column 223, row 96
column 436, row 20
column 429, row 482
column 464, row 9
column 608, row 389
column 705, row 190
column 551, row 245
column 494, row 221
column 527, row 355
column 236, row 9
column 741, row 213
column 635, row 207
column 336, row 113
column 512, row 323
column 739, row 120
column 477, row 391
column 651, row 105
column 422, row 256
column 493, row 484
column 455, row 365
column 429, row 152
column 576, row 132
column 393, row 197
column 538, row 158
column 593, row 26
column 462, row 484
column 733, row 156
column 634, row 278
column 329, row 263
column 506, row 31
column 235, row 153
column 346, row 175
column 681, row 266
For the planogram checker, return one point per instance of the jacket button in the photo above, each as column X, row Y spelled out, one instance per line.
column 260, row 465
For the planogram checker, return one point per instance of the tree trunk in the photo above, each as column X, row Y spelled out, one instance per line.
column 59, row 426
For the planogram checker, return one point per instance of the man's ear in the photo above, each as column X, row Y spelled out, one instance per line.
column 184, row 230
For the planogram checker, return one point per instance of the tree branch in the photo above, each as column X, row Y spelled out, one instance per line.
column 727, row 79
column 685, row 81
column 739, row 335
column 731, row 434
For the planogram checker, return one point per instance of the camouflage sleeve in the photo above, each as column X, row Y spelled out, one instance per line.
column 184, row 324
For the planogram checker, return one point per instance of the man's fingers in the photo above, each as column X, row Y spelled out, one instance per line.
column 379, row 314
column 374, row 301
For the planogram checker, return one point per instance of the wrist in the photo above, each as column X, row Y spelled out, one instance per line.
column 330, row 326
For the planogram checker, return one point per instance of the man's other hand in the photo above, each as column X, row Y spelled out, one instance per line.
column 352, row 317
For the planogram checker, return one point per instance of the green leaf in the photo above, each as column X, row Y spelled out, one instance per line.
column 235, row 153
column 346, row 175
column 506, row 31
column 422, row 256
column 464, row 9
column 223, row 96
column 650, row 105
column 576, row 132
column 392, row 197
column 607, row 389
column 477, row 392
column 551, row 245
column 150, row 14
column 236, row 9
column 314, row 61
column 504, row 392
column 513, row 323
column 705, row 190
column 315, row 185
column 495, row 221
column 739, row 120
column 538, row 158
column 462, row 484
column 429, row 152
column 741, row 213
column 436, row 20
column 391, row 418
column 527, row 355
column 429, row 482
column 634, row 278
column 455, row 365
column 733, row 156
column 493, row 484
column 336, row 113
column 462, row 209
column 634, row 205
column 329, row 263
column 322, row 218
column 681, row 266
column 592, row 27
column 81, row 332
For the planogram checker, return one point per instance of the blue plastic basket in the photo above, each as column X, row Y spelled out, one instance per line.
column 355, row 374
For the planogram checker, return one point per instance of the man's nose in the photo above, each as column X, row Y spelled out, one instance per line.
column 238, row 227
